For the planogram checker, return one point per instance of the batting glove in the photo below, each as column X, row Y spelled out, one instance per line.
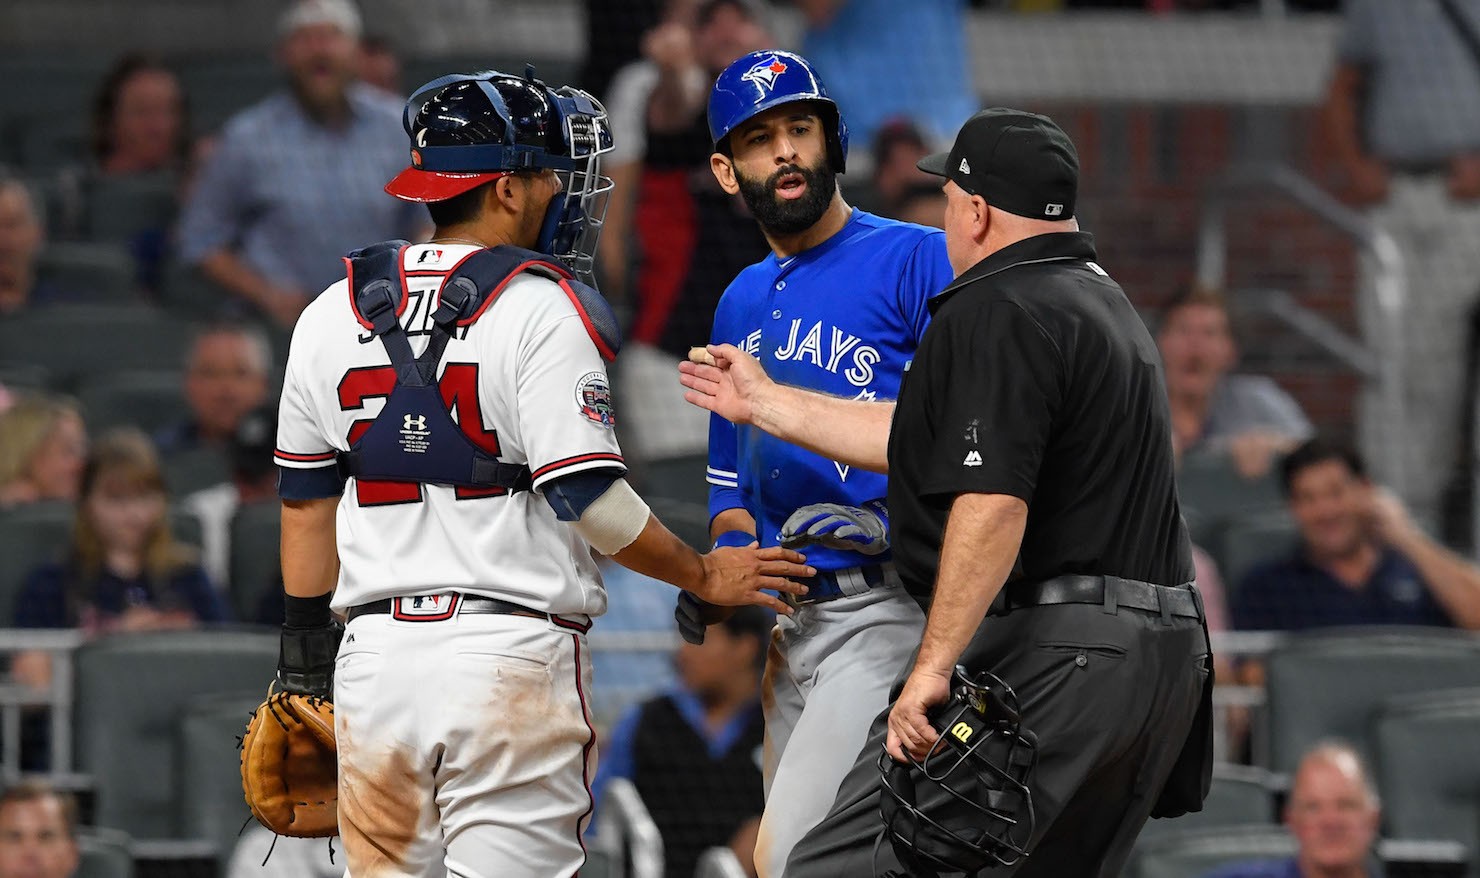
column 862, row 529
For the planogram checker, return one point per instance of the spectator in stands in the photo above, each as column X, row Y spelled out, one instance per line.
column 226, row 376
column 38, row 832
column 1333, row 814
column 1361, row 559
column 1247, row 417
column 683, row 236
column 43, row 445
column 614, row 32
column 253, row 480
column 124, row 571
column 883, row 59
column 139, row 123
column 898, row 146
column 7, row 399
column 694, row 753
column 296, row 181
column 22, row 233
column 380, row 66
column 922, row 203
column 1403, row 117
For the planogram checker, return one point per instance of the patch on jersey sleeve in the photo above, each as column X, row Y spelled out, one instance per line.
column 594, row 398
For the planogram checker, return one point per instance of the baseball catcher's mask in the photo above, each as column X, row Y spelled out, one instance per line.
column 468, row 129
column 966, row 806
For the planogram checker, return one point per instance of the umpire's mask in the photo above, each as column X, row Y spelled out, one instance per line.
column 966, row 806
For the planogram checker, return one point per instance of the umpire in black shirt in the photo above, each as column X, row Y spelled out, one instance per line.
column 1033, row 513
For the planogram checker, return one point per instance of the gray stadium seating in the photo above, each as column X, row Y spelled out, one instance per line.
column 1334, row 683
column 149, row 400
column 1240, row 796
column 192, row 470
column 1213, row 494
column 219, row 87
column 99, row 273
column 24, row 377
column 254, row 556
column 183, row 291
column 1249, row 539
column 1193, row 854
column 131, row 692
column 210, row 793
column 29, row 536
column 105, row 853
column 76, row 340
column 1428, row 766
column 120, row 208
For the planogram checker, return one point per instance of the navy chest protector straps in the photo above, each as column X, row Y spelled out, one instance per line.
column 414, row 438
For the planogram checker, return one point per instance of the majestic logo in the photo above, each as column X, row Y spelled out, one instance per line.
column 594, row 397
column 764, row 74
column 973, row 458
column 965, row 168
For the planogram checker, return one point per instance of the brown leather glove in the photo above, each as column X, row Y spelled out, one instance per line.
column 290, row 766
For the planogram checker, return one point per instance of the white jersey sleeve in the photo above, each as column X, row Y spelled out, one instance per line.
column 301, row 444
column 564, row 398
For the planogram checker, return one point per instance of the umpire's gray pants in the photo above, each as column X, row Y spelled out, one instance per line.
column 828, row 673
column 1111, row 699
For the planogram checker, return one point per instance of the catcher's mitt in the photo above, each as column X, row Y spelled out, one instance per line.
column 290, row 767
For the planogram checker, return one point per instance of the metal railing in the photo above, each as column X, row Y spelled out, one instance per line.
column 626, row 833
column 1379, row 360
column 16, row 699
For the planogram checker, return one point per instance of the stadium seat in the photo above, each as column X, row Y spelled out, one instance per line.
column 119, row 209
column 29, row 536
column 98, row 273
column 1240, row 796
column 1428, row 765
column 105, row 853
column 210, row 793
column 24, row 377
column 132, row 691
column 188, row 471
column 255, row 533
column 149, row 400
column 58, row 142
column 183, row 291
column 76, row 340
column 1194, row 854
column 1250, row 539
column 220, row 87
column 1334, row 683
column 1214, row 494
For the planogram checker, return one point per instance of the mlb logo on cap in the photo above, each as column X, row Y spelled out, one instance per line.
column 1053, row 210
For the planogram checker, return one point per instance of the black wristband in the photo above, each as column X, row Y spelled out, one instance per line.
column 307, row 612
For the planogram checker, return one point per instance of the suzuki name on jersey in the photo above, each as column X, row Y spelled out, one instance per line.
column 843, row 349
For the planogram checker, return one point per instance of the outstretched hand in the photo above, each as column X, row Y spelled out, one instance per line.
column 735, row 577
column 725, row 380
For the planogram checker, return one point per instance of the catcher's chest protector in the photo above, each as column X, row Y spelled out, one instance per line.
column 414, row 438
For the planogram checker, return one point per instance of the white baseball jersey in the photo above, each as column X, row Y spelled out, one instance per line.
column 525, row 381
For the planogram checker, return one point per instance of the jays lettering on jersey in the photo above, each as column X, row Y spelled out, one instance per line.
column 842, row 318
column 524, row 382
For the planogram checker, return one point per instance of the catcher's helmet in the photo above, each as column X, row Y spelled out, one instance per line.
column 762, row 80
column 967, row 805
column 468, row 129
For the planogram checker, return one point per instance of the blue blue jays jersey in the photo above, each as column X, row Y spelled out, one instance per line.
column 843, row 318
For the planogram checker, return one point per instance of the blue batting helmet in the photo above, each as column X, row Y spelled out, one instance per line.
column 762, row 80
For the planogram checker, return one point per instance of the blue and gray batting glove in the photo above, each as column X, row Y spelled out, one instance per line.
column 863, row 529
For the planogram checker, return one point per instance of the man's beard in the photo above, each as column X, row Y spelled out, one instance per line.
column 780, row 216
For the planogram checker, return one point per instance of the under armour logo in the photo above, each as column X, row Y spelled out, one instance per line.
column 965, row 168
column 416, row 422
column 973, row 458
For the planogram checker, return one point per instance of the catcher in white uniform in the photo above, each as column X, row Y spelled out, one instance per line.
column 447, row 468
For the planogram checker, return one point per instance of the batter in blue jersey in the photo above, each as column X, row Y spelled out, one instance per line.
column 838, row 307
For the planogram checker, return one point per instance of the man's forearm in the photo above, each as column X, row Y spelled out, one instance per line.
column 982, row 539
column 310, row 553
column 1454, row 582
column 731, row 519
column 850, row 431
column 658, row 553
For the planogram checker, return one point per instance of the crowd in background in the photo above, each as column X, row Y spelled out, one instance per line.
column 266, row 205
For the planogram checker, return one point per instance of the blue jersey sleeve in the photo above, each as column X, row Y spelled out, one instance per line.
column 926, row 272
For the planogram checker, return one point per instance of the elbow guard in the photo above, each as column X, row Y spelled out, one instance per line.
column 612, row 521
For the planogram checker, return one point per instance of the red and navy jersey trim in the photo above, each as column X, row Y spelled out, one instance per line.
column 573, row 461
column 319, row 457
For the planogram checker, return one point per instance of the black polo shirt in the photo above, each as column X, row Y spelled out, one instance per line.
column 1036, row 378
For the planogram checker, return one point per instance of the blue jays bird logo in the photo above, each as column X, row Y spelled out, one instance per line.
column 764, row 74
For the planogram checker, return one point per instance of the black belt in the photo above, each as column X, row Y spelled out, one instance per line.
column 1110, row 592
column 466, row 604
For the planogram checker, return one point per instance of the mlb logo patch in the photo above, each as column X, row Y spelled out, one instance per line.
column 426, row 608
column 430, row 256
column 1053, row 210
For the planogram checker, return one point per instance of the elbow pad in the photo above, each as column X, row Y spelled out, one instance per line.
column 611, row 522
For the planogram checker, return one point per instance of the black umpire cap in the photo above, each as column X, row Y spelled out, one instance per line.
column 1017, row 161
